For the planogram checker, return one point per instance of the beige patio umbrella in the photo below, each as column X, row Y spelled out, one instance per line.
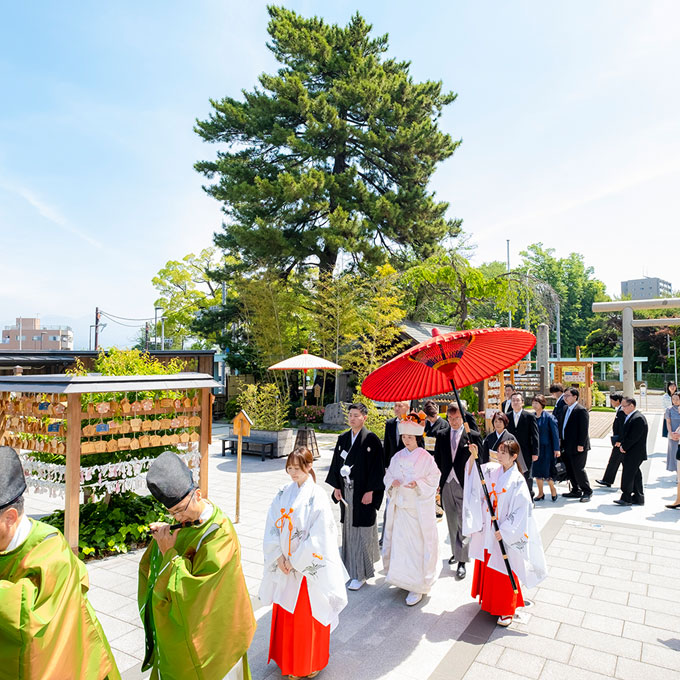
column 304, row 362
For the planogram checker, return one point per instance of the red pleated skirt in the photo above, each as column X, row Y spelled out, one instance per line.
column 494, row 590
column 298, row 643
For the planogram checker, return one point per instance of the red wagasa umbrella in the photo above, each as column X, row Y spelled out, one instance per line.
column 446, row 362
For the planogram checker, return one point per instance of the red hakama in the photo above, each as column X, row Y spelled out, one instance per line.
column 298, row 643
column 495, row 592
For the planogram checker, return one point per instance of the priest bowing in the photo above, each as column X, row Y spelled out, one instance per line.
column 193, row 600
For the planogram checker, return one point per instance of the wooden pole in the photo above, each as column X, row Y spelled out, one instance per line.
column 72, row 507
column 204, row 441
column 239, row 452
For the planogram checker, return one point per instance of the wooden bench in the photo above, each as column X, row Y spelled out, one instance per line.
column 250, row 445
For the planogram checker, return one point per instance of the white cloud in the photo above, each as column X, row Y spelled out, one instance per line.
column 48, row 211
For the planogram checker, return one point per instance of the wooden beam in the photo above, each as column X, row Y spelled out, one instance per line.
column 72, row 507
column 204, row 442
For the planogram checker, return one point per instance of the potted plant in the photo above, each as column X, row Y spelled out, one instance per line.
column 268, row 410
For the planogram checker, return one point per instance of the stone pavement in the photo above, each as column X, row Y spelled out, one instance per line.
column 608, row 608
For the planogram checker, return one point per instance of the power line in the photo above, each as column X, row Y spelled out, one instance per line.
column 120, row 323
column 125, row 318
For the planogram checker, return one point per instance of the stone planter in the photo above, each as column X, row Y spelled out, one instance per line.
column 285, row 439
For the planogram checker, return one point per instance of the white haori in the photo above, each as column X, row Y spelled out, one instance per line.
column 518, row 528
column 411, row 543
column 300, row 526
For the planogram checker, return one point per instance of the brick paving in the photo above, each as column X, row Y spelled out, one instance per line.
column 608, row 608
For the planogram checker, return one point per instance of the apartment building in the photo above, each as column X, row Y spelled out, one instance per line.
column 27, row 334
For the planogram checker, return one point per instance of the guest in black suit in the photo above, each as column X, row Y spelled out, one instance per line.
column 557, row 392
column 451, row 454
column 356, row 475
column 573, row 429
column 499, row 435
column 616, row 457
column 522, row 425
column 633, row 447
column 506, row 404
column 434, row 424
column 392, row 442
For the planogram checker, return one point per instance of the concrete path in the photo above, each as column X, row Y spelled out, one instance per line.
column 604, row 611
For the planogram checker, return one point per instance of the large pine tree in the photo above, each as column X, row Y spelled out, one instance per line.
column 332, row 153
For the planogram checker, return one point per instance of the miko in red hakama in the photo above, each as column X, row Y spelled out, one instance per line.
column 298, row 643
column 493, row 588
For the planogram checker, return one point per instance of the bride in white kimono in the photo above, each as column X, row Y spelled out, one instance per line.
column 304, row 576
column 410, row 543
column 521, row 537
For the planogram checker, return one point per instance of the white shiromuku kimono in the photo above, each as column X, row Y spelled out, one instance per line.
column 300, row 523
column 518, row 528
column 411, row 544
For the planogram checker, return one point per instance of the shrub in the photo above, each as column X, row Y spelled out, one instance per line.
column 231, row 408
column 114, row 527
column 265, row 406
column 309, row 414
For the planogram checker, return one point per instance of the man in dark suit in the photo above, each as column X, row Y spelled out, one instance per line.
column 392, row 442
column 633, row 447
column 434, row 424
column 573, row 430
column 451, row 453
column 522, row 425
column 506, row 404
column 616, row 457
column 557, row 392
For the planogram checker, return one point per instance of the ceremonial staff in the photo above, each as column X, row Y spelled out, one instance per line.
column 492, row 512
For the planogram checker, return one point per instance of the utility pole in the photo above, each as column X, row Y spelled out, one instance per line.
column 559, row 338
column 162, row 332
column 146, row 336
column 507, row 241
column 97, row 316
column 526, row 324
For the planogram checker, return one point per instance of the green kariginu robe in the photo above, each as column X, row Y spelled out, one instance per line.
column 48, row 629
column 194, row 603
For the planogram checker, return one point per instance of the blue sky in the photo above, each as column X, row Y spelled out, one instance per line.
column 568, row 114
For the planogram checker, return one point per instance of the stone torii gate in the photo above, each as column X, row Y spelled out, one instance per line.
column 626, row 308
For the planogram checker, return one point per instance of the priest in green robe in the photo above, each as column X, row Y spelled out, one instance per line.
column 48, row 629
column 193, row 600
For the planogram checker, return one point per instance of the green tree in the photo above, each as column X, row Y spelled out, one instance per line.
column 186, row 287
column 381, row 307
column 335, row 317
column 447, row 289
column 333, row 152
column 577, row 288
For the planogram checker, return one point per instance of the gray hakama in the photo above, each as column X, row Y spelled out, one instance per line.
column 359, row 544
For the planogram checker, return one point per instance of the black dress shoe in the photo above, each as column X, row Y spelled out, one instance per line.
column 572, row 494
column 601, row 482
column 452, row 559
column 460, row 572
column 638, row 502
column 620, row 501
column 585, row 498
column 554, row 498
column 675, row 506
column 539, row 498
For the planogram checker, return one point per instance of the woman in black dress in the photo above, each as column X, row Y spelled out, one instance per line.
column 548, row 448
column 499, row 435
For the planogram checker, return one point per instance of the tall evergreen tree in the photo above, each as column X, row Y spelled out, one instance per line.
column 332, row 153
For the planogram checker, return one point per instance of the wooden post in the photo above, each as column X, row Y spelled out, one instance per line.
column 204, row 442
column 72, row 506
column 242, row 425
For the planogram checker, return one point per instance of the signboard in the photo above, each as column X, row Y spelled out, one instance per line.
column 574, row 374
